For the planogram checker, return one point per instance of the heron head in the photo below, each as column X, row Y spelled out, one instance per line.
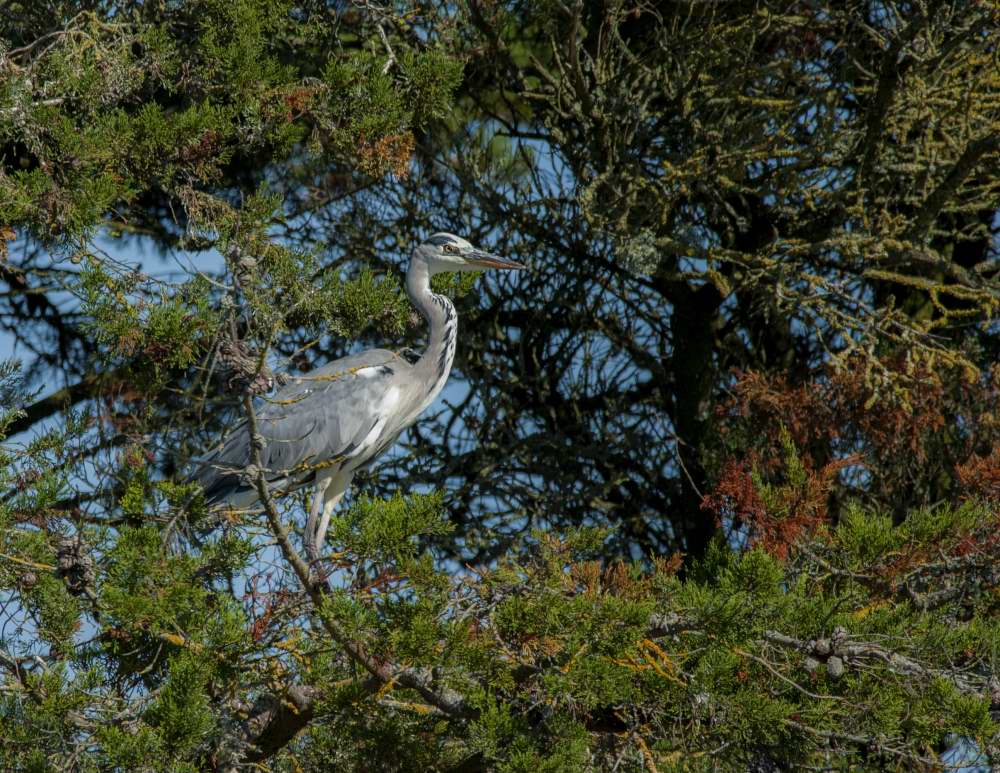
column 447, row 252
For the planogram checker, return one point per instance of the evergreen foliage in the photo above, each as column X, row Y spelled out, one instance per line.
column 716, row 490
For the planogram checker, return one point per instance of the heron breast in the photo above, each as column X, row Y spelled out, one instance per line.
column 375, row 441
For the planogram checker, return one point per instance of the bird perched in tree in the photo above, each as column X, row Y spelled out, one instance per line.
column 322, row 427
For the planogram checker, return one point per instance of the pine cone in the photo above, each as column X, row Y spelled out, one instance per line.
column 75, row 566
column 239, row 363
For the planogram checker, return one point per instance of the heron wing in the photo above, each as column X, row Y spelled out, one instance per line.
column 325, row 417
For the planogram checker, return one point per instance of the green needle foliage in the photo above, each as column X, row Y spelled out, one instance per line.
column 717, row 486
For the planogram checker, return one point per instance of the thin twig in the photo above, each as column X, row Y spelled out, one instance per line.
column 388, row 48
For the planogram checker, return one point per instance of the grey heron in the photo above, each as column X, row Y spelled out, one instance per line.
column 323, row 426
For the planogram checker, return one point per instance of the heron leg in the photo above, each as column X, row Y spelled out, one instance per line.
column 315, row 508
column 334, row 493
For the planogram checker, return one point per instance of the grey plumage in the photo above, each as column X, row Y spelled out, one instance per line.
column 316, row 416
column 325, row 425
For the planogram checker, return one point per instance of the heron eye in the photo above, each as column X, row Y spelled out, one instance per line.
column 450, row 248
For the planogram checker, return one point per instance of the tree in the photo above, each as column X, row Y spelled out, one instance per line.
column 718, row 490
column 711, row 189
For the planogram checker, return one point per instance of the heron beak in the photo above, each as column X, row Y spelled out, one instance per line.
column 486, row 260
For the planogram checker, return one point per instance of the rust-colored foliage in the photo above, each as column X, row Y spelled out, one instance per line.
column 390, row 153
column 893, row 419
column 892, row 414
column 6, row 235
column 269, row 606
column 297, row 102
column 961, row 560
column 773, row 403
column 735, row 497
column 202, row 149
column 618, row 579
column 979, row 476
column 918, row 430
column 776, row 514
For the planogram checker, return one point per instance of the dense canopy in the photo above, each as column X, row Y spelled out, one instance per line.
column 714, row 485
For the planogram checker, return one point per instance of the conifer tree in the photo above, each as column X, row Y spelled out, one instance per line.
column 718, row 490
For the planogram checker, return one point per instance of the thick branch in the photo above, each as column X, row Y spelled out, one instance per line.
column 932, row 207
column 891, row 73
column 86, row 387
column 275, row 722
column 857, row 652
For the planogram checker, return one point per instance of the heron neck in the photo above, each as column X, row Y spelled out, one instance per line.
column 435, row 364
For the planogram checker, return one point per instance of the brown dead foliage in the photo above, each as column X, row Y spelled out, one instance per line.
column 772, row 402
column 735, row 497
column 896, row 418
column 6, row 235
column 297, row 102
column 777, row 511
column 979, row 476
column 920, row 430
column 619, row 579
column 894, row 415
column 391, row 153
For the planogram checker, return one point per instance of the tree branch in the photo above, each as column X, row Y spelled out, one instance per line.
column 934, row 203
column 448, row 701
column 86, row 387
column 891, row 73
column 857, row 652
column 275, row 721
